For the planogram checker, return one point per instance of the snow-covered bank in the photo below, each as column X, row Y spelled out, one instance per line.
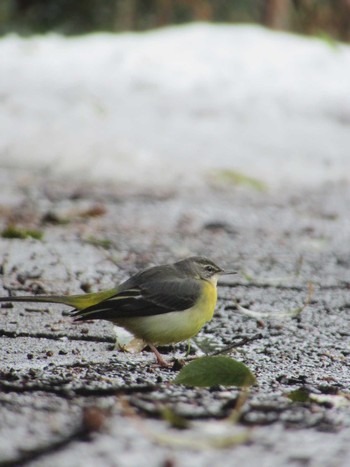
column 173, row 104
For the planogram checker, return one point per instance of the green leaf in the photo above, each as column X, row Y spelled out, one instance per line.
column 300, row 395
column 100, row 242
column 212, row 371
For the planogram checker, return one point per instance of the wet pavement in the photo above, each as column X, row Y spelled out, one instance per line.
column 68, row 397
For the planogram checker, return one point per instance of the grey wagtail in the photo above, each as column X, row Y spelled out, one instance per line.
column 161, row 305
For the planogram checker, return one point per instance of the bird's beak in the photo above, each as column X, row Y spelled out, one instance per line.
column 226, row 273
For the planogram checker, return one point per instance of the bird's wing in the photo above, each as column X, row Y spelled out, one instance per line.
column 150, row 298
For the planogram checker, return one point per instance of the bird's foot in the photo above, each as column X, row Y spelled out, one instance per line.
column 160, row 359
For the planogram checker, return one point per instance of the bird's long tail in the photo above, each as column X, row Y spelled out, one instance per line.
column 79, row 302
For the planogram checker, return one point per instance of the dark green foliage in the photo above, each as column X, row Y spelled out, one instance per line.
column 326, row 17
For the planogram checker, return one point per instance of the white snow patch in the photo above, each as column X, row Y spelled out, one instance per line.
column 167, row 106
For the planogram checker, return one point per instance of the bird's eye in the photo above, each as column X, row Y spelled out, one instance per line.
column 209, row 268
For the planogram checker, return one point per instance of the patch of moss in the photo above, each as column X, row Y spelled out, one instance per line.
column 101, row 242
column 12, row 231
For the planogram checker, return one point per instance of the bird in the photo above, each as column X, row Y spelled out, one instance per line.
column 161, row 305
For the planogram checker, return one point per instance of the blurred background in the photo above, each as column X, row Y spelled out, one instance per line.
column 161, row 92
column 325, row 17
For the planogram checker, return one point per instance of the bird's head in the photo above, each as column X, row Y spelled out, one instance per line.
column 199, row 267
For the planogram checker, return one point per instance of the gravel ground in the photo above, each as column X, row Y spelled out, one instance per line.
column 68, row 397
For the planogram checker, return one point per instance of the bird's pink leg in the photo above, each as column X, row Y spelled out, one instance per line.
column 160, row 359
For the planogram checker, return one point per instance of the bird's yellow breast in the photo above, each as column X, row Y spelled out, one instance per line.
column 176, row 326
column 206, row 303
